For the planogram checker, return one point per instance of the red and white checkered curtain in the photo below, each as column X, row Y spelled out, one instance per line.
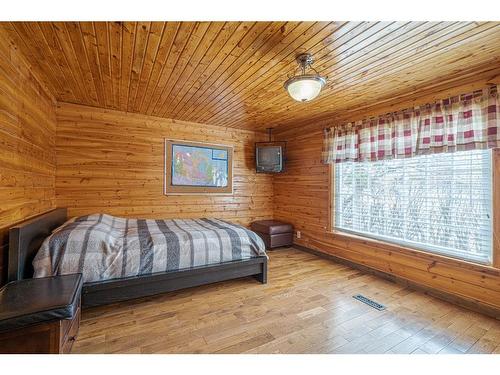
column 467, row 122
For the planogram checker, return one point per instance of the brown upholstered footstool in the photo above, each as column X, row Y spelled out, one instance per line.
column 274, row 233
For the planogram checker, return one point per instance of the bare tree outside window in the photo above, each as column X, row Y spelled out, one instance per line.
column 440, row 203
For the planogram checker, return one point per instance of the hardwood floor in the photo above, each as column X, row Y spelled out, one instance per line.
column 306, row 307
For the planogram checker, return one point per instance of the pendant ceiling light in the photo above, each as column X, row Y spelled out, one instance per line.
column 305, row 87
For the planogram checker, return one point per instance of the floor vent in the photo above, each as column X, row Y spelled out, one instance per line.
column 369, row 302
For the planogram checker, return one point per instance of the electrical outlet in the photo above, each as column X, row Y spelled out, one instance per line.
column 298, row 234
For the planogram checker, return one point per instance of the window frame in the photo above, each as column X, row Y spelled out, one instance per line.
column 378, row 242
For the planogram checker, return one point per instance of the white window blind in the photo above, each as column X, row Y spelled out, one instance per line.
column 440, row 203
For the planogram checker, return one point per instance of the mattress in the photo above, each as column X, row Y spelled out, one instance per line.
column 103, row 247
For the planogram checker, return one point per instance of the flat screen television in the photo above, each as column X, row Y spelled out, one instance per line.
column 269, row 157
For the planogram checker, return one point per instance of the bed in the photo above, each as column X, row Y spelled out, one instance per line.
column 161, row 256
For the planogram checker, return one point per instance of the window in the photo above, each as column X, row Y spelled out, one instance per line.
column 440, row 203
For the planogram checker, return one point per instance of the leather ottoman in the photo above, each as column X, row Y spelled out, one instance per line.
column 274, row 233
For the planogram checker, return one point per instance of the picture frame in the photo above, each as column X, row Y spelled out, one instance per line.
column 198, row 168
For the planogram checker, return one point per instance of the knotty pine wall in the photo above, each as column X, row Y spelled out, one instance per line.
column 27, row 145
column 301, row 196
column 113, row 162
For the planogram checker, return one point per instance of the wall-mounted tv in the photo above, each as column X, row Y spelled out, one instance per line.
column 270, row 157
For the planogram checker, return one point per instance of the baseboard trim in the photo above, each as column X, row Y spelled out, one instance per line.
column 445, row 296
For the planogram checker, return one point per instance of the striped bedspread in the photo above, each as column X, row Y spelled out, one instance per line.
column 103, row 247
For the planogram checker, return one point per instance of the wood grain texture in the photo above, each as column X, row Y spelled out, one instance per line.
column 113, row 162
column 27, row 144
column 306, row 307
column 232, row 73
column 301, row 196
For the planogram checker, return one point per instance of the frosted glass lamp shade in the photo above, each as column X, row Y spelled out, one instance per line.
column 305, row 87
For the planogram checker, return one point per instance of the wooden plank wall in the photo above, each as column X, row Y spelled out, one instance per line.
column 301, row 196
column 111, row 161
column 27, row 145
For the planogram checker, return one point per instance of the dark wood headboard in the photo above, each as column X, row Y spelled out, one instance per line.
column 26, row 238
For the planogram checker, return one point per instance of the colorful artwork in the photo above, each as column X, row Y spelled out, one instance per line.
column 199, row 166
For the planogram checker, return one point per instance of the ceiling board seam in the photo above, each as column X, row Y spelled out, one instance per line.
column 54, row 59
column 162, row 67
column 96, row 80
column 163, row 102
column 110, row 63
column 214, row 96
column 152, row 65
column 413, row 60
column 49, row 92
column 101, row 76
column 166, row 102
column 187, row 79
column 28, row 64
column 201, row 73
column 202, row 98
column 220, row 64
column 164, row 96
column 131, row 101
column 93, row 99
column 121, row 68
column 270, row 51
column 173, row 67
column 132, row 56
column 78, row 83
column 80, row 35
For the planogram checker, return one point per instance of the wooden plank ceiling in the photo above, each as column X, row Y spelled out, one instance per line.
column 232, row 73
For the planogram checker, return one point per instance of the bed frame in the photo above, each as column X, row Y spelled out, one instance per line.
column 26, row 238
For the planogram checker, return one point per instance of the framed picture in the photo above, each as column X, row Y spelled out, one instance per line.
column 198, row 168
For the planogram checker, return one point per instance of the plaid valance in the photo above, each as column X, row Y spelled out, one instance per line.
column 465, row 122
